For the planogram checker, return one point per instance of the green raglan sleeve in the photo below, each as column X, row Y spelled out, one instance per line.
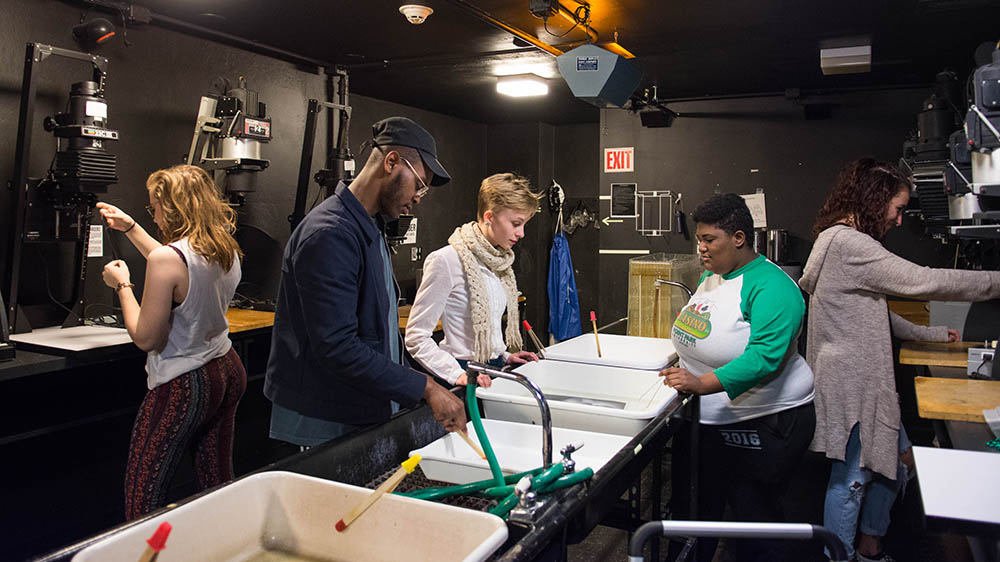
column 773, row 305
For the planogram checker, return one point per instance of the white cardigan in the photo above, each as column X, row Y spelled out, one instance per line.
column 443, row 295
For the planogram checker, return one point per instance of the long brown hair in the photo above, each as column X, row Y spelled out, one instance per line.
column 862, row 192
column 192, row 208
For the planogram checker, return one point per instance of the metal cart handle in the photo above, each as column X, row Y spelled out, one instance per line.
column 801, row 531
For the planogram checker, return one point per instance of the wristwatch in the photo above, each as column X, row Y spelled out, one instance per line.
column 123, row 285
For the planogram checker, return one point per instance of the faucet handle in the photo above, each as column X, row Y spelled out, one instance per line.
column 570, row 448
column 569, row 465
column 522, row 486
column 526, row 498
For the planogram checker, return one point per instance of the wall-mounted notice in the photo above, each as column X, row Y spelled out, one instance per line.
column 623, row 200
column 619, row 159
column 95, row 246
column 755, row 202
column 411, row 232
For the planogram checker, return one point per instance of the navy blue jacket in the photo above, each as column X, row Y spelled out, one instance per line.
column 330, row 345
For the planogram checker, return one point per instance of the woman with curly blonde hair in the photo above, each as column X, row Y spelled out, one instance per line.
column 195, row 378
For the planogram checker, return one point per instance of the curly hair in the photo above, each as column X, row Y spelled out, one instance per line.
column 507, row 191
column 863, row 190
column 192, row 208
column 728, row 212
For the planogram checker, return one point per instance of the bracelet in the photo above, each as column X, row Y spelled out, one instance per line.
column 123, row 285
column 129, row 228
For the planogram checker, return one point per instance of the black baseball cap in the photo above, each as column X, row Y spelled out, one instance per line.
column 400, row 131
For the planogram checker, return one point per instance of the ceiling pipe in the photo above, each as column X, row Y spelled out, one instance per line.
column 434, row 60
column 488, row 18
column 124, row 10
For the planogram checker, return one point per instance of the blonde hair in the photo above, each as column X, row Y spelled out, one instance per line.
column 192, row 208
column 507, row 191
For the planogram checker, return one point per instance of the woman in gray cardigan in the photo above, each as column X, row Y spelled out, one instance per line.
column 849, row 273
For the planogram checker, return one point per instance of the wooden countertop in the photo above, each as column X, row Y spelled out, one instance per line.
column 955, row 399
column 936, row 354
column 917, row 312
column 241, row 320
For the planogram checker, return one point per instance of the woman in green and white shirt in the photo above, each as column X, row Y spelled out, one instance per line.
column 736, row 339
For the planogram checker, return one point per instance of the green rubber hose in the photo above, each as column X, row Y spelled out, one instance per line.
column 463, row 489
column 503, row 508
column 549, row 475
column 568, row 480
column 477, row 422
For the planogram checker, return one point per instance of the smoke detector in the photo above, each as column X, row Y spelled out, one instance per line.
column 415, row 13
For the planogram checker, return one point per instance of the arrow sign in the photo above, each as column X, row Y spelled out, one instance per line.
column 607, row 220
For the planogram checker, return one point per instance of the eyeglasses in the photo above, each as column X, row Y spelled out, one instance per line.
column 424, row 188
column 151, row 211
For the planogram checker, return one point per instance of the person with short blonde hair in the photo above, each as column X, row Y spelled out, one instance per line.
column 194, row 376
column 507, row 191
column 469, row 284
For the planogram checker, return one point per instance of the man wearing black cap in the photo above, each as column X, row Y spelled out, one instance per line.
column 336, row 354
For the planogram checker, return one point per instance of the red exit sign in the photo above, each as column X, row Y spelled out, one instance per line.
column 619, row 159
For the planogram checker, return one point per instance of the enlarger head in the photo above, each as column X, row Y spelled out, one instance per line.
column 83, row 162
column 232, row 125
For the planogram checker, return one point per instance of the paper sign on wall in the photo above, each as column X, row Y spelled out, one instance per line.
column 95, row 246
column 623, row 200
column 755, row 202
column 619, row 159
column 411, row 232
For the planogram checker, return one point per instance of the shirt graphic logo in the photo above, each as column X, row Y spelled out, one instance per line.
column 694, row 320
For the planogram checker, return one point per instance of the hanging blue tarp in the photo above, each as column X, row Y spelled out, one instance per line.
column 564, row 306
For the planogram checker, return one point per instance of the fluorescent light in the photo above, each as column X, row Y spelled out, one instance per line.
column 846, row 60
column 522, row 85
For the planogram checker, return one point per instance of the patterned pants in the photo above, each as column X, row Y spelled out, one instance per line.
column 195, row 411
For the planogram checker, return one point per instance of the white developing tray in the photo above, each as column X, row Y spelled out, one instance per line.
column 518, row 448
column 288, row 516
column 630, row 352
column 581, row 396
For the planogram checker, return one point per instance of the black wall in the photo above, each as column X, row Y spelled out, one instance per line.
column 153, row 92
column 745, row 144
column 543, row 153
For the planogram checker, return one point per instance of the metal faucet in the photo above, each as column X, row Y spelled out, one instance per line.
column 475, row 368
column 659, row 282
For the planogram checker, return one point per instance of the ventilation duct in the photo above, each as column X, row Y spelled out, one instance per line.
column 599, row 77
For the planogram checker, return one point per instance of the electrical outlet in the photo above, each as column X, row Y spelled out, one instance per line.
column 415, row 254
column 980, row 362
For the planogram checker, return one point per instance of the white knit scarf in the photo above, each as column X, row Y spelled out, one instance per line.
column 473, row 249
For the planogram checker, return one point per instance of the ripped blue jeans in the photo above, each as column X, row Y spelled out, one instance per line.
column 855, row 493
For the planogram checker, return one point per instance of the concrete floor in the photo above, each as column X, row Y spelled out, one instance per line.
column 906, row 541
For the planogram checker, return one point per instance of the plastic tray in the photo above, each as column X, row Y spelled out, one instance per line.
column 518, row 448
column 292, row 513
column 630, row 352
column 581, row 396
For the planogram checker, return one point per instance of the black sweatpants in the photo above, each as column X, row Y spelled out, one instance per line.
column 747, row 465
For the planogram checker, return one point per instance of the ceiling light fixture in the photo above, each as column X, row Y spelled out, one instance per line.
column 522, row 85
column 847, row 55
